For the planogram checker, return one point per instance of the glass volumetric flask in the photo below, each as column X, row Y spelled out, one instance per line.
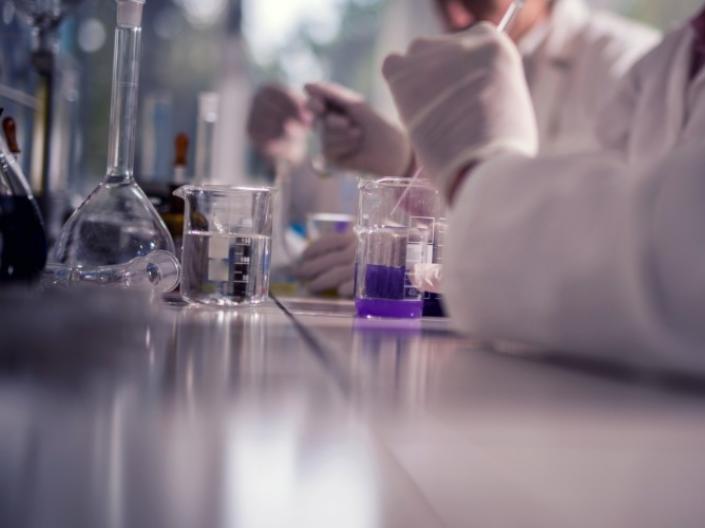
column 116, row 223
column 23, row 246
column 396, row 224
column 227, row 244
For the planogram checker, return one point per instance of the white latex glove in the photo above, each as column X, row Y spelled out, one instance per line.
column 427, row 277
column 355, row 136
column 463, row 99
column 278, row 123
column 329, row 264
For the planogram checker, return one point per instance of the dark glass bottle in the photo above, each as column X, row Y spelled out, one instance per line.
column 23, row 244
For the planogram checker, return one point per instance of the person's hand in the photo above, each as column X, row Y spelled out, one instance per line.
column 463, row 99
column 355, row 136
column 278, row 123
column 329, row 264
column 427, row 277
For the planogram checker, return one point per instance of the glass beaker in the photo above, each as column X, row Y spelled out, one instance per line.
column 117, row 224
column 226, row 245
column 396, row 224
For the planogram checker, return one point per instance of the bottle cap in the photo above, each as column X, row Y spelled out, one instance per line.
column 181, row 143
column 10, row 129
column 129, row 13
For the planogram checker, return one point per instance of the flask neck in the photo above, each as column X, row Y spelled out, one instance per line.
column 123, row 106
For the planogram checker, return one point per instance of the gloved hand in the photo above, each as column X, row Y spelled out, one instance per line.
column 278, row 123
column 463, row 99
column 355, row 136
column 329, row 264
column 427, row 277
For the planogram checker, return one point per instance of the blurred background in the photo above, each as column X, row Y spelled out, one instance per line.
column 224, row 46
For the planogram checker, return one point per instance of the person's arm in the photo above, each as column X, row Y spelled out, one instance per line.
column 576, row 254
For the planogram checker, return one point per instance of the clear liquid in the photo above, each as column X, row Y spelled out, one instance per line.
column 225, row 269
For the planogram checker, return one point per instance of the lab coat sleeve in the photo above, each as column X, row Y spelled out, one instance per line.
column 575, row 254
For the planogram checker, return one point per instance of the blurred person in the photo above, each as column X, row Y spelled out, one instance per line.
column 593, row 253
column 574, row 59
column 278, row 128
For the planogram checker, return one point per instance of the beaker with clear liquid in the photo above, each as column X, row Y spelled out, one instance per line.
column 227, row 244
column 396, row 225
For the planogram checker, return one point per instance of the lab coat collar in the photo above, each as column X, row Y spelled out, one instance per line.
column 556, row 38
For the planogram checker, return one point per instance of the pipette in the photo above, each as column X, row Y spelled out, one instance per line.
column 504, row 25
column 510, row 15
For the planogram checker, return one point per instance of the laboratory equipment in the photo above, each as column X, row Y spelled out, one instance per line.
column 156, row 132
column 392, row 240
column 158, row 271
column 45, row 17
column 227, row 244
column 181, row 144
column 23, row 246
column 322, row 224
column 116, row 223
column 510, row 16
column 9, row 128
column 433, row 302
column 208, row 106
column 173, row 209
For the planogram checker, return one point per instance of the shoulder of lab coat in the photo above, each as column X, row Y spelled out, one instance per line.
column 573, row 254
column 580, row 63
column 646, row 83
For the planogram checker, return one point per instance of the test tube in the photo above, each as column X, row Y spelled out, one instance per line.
column 208, row 107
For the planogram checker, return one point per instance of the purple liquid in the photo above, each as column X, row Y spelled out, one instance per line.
column 23, row 245
column 385, row 282
column 389, row 308
column 385, row 294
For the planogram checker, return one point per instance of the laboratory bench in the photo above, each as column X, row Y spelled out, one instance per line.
column 117, row 410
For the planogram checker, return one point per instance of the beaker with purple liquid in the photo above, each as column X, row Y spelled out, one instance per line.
column 393, row 238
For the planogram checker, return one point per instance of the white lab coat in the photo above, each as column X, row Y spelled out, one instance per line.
column 597, row 253
column 574, row 63
column 655, row 107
